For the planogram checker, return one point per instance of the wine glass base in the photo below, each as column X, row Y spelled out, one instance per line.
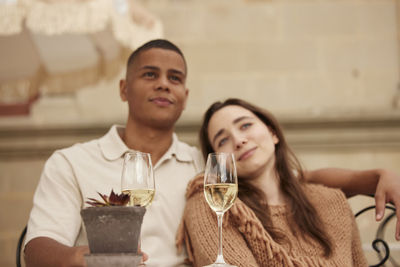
column 220, row 265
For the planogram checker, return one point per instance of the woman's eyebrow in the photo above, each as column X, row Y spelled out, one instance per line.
column 235, row 121
column 221, row 131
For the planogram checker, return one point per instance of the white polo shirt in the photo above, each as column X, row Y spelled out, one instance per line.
column 73, row 174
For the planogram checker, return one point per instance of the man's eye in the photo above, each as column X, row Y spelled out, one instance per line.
column 175, row 78
column 149, row 74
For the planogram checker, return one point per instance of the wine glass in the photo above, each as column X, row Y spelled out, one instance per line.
column 138, row 178
column 138, row 181
column 220, row 190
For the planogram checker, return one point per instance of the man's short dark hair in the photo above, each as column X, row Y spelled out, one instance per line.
column 157, row 43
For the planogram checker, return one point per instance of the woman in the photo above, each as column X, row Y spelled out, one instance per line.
column 277, row 219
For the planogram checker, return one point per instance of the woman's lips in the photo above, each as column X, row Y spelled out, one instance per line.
column 247, row 154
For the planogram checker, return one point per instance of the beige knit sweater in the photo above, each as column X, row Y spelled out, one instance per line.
column 247, row 243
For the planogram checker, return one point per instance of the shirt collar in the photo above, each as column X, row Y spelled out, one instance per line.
column 177, row 149
column 113, row 147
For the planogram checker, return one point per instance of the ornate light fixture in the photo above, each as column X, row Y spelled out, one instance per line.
column 130, row 23
column 59, row 46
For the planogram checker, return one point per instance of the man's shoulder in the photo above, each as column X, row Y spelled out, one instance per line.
column 88, row 146
column 75, row 155
column 79, row 147
column 77, row 151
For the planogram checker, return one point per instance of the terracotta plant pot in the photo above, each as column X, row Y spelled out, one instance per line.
column 113, row 229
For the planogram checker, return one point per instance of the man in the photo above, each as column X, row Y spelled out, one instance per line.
column 155, row 91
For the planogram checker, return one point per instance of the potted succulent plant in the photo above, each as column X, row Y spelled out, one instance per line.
column 113, row 231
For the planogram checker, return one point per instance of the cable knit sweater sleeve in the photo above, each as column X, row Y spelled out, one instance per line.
column 200, row 229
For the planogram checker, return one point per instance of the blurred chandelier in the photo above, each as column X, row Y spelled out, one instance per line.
column 131, row 24
column 57, row 47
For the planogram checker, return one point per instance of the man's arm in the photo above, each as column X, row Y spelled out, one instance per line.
column 55, row 221
column 46, row 252
column 349, row 181
column 382, row 183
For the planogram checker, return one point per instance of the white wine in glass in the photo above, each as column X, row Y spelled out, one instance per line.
column 220, row 190
column 138, row 178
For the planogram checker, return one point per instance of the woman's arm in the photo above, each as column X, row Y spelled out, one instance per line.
column 382, row 183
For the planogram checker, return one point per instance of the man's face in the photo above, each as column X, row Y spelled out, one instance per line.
column 155, row 88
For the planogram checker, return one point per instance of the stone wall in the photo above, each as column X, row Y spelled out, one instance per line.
column 304, row 56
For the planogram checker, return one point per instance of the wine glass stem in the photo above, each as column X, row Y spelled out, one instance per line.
column 220, row 257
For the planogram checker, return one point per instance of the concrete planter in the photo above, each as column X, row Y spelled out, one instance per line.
column 113, row 235
column 113, row 260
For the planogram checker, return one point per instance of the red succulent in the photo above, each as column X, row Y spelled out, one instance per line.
column 112, row 200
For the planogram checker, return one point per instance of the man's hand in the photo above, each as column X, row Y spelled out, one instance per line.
column 384, row 184
column 145, row 257
column 388, row 190
column 77, row 258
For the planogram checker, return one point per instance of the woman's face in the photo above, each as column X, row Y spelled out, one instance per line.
column 237, row 130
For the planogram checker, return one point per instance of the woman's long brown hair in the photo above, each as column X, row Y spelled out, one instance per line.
column 303, row 212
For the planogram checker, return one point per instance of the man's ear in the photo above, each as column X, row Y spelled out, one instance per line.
column 123, row 90
column 186, row 97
